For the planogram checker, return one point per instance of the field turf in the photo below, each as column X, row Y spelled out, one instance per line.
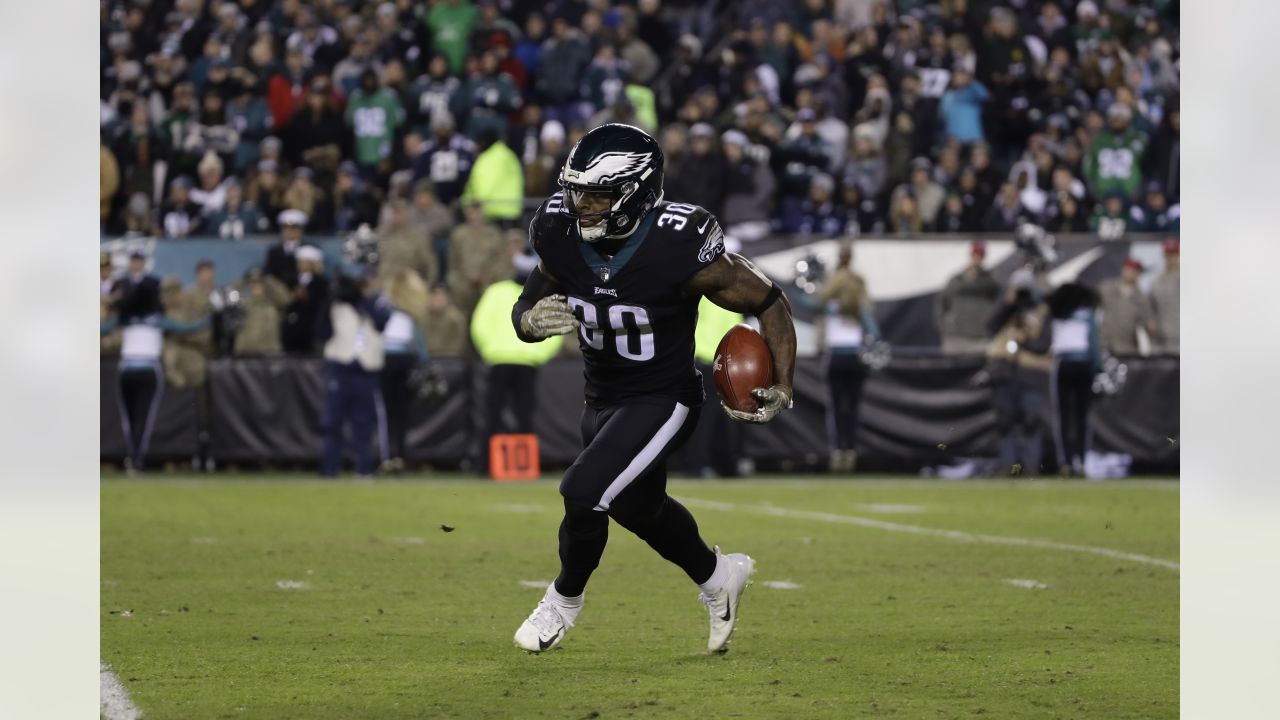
column 276, row 597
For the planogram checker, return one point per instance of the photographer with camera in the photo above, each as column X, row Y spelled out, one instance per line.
column 137, row 308
column 350, row 325
column 1018, row 357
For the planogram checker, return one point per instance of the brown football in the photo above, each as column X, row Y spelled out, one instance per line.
column 743, row 363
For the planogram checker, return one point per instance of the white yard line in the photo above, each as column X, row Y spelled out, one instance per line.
column 113, row 698
column 934, row 532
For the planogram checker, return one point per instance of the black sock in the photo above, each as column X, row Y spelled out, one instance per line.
column 673, row 532
column 583, row 534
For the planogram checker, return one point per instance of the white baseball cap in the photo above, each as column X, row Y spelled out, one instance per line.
column 292, row 217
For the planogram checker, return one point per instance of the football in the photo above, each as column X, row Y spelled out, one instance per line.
column 743, row 363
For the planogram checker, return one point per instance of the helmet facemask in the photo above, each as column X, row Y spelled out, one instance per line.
column 597, row 209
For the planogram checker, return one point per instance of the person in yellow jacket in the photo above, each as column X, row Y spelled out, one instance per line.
column 713, row 449
column 496, row 181
column 513, row 364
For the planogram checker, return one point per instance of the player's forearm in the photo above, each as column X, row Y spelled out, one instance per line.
column 779, row 332
column 538, row 286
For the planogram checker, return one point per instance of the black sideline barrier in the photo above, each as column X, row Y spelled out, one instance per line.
column 922, row 410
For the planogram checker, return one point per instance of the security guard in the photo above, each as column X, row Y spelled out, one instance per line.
column 135, row 299
column 351, row 328
column 513, row 364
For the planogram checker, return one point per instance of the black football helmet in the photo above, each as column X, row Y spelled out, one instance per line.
column 621, row 161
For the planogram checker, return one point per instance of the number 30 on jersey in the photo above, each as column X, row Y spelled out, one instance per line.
column 628, row 325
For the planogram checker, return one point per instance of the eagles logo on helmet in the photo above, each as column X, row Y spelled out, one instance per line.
column 622, row 163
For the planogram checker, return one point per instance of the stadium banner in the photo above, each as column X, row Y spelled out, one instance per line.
column 923, row 410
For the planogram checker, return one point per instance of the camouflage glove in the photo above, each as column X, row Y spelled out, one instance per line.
column 771, row 401
column 549, row 316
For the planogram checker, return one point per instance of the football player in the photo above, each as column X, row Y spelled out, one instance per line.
column 625, row 270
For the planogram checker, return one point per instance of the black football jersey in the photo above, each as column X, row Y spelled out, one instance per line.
column 637, row 322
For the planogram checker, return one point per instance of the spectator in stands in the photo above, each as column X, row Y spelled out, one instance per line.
column 1164, row 160
column 989, row 177
column 405, row 245
column 186, row 356
column 450, row 23
column 528, row 47
column 211, row 193
column 564, row 57
column 1005, row 211
column 749, row 189
column 472, row 247
column 1114, row 160
column 1126, row 310
column 955, row 217
column 1165, row 298
column 249, row 115
column 702, row 180
column 797, row 159
column 1155, row 215
column 316, row 136
column 1109, row 220
column 493, row 97
column 818, row 214
column 353, row 204
column 374, row 115
column 445, row 325
column 405, row 347
column 926, row 194
column 287, row 89
column 303, row 194
column 861, row 214
column 437, row 93
column 961, row 107
column 965, row 305
column 237, row 217
column 496, row 181
column 307, row 303
column 446, row 160
column 867, row 167
column 1030, row 196
column 1017, row 371
column 1065, row 216
column 540, row 174
column 877, row 108
column 1077, row 358
column 180, row 216
column 109, row 183
column 905, row 219
column 350, row 326
column 603, row 79
column 266, row 192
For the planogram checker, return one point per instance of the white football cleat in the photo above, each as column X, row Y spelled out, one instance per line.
column 722, row 605
column 546, row 625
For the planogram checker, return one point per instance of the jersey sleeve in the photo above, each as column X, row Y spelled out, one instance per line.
column 546, row 225
column 704, row 243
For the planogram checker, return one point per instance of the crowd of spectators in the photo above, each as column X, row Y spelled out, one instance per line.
column 813, row 117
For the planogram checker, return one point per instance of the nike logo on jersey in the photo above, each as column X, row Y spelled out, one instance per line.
column 606, row 291
column 544, row 644
column 704, row 226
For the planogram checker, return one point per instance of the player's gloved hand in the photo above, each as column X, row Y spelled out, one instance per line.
column 549, row 316
column 771, row 401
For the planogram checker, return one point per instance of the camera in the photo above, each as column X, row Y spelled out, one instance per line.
column 362, row 247
column 1040, row 247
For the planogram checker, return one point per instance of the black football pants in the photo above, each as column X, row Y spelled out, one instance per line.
column 622, row 474
column 1073, row 393
column 846, row 374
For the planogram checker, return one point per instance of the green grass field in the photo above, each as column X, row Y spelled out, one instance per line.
column 268, row 597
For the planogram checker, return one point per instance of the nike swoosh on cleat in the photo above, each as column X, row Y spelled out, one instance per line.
column 544, row 644
column 728, row 612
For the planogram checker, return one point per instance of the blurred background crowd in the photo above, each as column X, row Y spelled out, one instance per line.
column 809, row 117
